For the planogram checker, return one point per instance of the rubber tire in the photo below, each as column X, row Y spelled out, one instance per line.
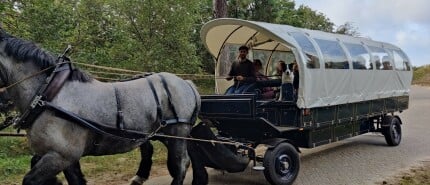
column 274, row 173
column 392, row 130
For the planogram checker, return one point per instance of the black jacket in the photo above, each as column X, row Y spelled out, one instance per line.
column 245, row 69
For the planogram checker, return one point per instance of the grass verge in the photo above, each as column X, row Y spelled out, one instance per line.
column 415, row 176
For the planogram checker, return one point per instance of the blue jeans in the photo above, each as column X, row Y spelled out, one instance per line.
column 237, row 89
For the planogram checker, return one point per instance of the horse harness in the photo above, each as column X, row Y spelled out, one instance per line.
column 55, row 81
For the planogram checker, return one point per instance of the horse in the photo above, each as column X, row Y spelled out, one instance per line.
column 61, row 135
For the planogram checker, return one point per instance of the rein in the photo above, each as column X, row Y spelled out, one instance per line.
column 3, row 89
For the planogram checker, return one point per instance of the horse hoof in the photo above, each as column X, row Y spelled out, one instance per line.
column 136, row 180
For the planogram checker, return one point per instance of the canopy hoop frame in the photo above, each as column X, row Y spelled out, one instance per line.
column 270, row 57
column 228, row 37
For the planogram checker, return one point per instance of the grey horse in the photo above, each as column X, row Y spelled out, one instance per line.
column 60, row 143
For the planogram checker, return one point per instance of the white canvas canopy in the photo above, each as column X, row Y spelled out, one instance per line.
column 334, row 68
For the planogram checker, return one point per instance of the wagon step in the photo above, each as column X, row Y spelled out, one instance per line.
column 258, row 168
column 258, row 159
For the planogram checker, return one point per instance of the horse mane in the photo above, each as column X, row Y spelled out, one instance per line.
column 25, row 51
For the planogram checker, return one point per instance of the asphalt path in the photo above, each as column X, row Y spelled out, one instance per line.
column 361, row 160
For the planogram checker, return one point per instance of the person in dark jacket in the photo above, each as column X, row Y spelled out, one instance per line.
column 296, row 80
column 243, row 73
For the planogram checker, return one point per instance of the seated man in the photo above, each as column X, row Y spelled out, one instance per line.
column 243, row 73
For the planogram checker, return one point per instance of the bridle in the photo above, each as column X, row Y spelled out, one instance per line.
column 62, row 56
column 46, row 91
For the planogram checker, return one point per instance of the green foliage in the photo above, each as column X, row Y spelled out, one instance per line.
column 205, row 86
column 348, row 29
column 141, row 35
column 146, row 36
column 421, row 75
column 313, row 20
column 279, row 11
column 14, row 159
column 11, row 147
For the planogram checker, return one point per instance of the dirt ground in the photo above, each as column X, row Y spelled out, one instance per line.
column 417, row 175
column 121, row 178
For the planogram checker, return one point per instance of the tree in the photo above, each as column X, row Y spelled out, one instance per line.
column 347, row 29
column 160, row 31
column 220, row 8
column 310, row 19
column 146, row 35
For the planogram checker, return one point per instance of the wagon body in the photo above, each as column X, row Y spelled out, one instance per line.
column 347, row 86
column 245, row 118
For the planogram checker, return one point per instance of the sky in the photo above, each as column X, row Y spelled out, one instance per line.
column 404, row 23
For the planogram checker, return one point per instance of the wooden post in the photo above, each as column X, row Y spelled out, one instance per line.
column 8, row 134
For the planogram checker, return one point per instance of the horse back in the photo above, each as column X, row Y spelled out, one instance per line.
column 175, row 97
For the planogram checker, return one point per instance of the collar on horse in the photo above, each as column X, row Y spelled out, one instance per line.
column 46, row 93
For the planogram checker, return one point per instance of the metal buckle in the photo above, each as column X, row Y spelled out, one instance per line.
column 37, row 101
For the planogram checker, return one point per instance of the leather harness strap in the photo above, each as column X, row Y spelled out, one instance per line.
column 157, row 101
column 53, row 84
column 160, row 115
column 169, row 98
column 119, row 115
column 62, row 72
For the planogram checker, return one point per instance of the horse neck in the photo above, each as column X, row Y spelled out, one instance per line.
column 22, row 93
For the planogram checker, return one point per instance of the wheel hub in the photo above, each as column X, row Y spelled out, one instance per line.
column 284, row 164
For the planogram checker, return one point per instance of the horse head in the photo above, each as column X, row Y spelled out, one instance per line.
column 5, row 99
column 19, row 61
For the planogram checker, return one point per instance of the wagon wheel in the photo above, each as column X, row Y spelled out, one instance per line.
column 281, row 164
column 392, row 130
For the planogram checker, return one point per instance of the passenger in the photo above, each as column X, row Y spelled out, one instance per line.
column 286, row 91
column 243, row 73
column 386, row 63
column 266, row 92
column 296, row 80
column 377, row 62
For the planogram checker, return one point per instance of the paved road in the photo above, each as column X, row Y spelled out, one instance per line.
column 360, row 160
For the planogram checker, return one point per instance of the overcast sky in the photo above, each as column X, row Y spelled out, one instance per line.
column 404, row 23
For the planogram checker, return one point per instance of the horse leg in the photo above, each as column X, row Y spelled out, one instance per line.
column 45, row 168
column 74, row 175
column 50, row 181
column 200, row 175
column 142, row 174
column 178, row 160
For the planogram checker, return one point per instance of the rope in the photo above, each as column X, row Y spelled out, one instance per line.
column 3, row 89
column 108, row 68
column 236, row 144
column 109, row 73
column 131, row 71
